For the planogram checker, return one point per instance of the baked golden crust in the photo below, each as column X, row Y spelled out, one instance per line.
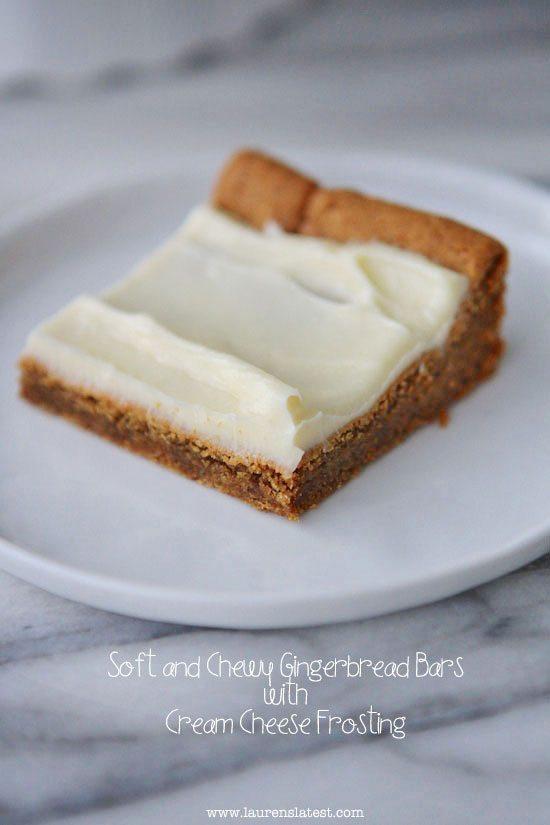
column 258, row 189
column 132, row 427
column 349, row 216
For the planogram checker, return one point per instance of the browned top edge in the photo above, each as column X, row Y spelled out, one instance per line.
column 258, row 189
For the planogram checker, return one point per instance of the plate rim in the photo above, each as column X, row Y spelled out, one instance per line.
column 251, row 611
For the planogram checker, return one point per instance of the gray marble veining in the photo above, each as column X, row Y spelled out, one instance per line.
column 259, row 31
column 97, row 745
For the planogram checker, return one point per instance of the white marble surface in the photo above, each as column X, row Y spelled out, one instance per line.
column 464, row 81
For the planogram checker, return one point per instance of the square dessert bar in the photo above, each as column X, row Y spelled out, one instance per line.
column 283, row 338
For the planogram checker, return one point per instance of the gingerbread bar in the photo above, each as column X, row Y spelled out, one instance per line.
column 286, row 336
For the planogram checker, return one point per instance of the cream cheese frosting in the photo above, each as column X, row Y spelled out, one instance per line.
column 263, row 343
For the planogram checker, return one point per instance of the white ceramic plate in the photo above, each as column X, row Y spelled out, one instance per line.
column 447, row 510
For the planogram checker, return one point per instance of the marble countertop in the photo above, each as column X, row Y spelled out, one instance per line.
column 75, row 743
column 466, row 82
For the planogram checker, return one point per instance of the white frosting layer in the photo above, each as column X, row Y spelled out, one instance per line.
column 261, row 342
